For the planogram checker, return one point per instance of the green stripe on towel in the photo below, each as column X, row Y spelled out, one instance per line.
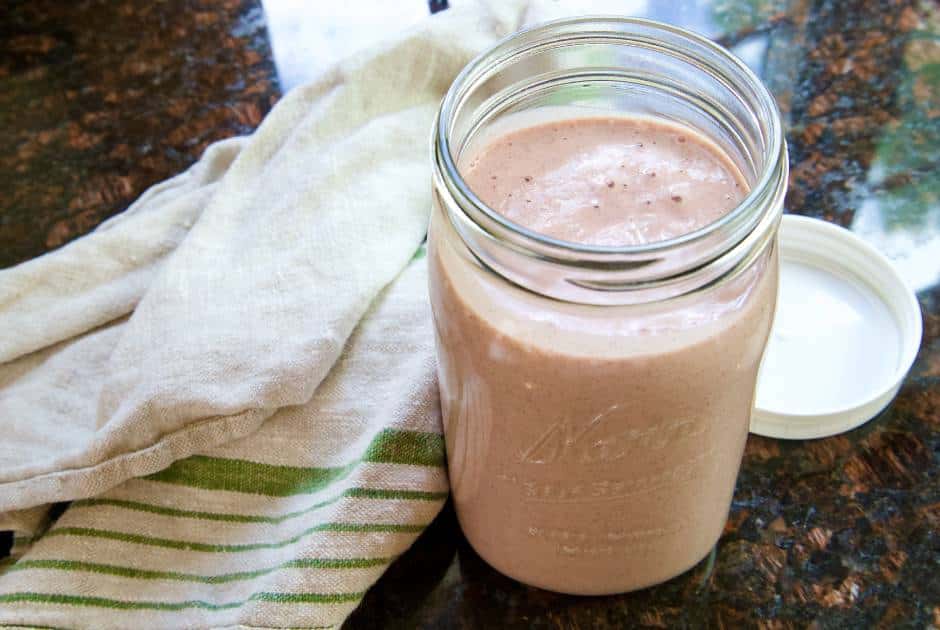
column 121, row 604
column 407, row 447
column 238, row 475
column 364, row 493
column 145, row 574
column 210, row 548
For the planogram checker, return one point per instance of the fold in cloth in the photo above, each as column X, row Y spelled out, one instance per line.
column 234, row 379
column 295, row 230
column 284, row 528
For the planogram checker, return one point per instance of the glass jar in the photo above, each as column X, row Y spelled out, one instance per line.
column 596, row 399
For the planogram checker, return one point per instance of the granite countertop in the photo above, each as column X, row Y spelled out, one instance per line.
column 831, row 533
column 90, row 117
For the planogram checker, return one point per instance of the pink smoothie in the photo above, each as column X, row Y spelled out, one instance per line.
column 594, row 449
column 606, row 181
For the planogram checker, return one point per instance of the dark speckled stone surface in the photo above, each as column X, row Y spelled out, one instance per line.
column 101, row 99
column 842, row 532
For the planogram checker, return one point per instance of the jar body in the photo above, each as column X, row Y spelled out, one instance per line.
column 593, row 449
column 596, row 400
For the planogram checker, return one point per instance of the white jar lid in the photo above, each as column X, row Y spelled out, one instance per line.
column 846, row 332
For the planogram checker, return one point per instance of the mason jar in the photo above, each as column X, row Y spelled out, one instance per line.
column 596, row 399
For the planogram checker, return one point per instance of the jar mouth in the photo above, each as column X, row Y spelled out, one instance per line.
column 735, row 225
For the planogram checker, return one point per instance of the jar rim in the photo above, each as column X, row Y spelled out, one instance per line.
column 767, row 181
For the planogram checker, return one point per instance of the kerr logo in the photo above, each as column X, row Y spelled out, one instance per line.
column 605, row 438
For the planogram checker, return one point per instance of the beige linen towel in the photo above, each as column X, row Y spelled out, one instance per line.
column 295, row 230
column 179, row 370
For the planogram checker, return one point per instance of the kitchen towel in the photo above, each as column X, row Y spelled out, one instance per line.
column 233, row 379
column 286, row 527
